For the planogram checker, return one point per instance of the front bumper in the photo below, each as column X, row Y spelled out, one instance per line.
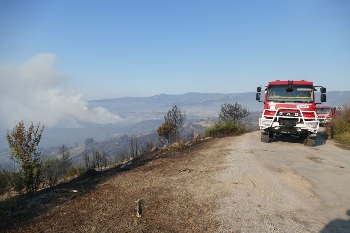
column 289, row 122
column 311, row 126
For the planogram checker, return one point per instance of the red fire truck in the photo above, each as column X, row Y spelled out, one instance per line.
column 289, row 108
column 325, row 114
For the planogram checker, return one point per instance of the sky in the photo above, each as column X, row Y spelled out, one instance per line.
column 55, row 54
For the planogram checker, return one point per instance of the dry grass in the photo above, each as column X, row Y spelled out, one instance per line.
column 172, row 185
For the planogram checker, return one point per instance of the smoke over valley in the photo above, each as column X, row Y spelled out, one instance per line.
column 36, row 91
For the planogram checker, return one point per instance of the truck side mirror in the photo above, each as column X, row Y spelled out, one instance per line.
column 323, row 90
column 323, row 97
column 257, row 97
column 258, row 89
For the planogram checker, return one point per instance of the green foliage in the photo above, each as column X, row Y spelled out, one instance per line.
column 165, row 131
column 55, row 169
column 89, row 141
column 50, row 171
column 227, row 128
column 23, row 145
column 233, row 119
column 234, row 112
column 173, row 121
column 339, row 127
column 74, row 171
column 14, row 181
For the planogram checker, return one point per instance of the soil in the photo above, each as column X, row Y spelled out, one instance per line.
column 232, row 184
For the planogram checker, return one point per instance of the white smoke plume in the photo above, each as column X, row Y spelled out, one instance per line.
column 37, row 92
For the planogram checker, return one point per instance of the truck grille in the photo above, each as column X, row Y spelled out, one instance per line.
column 288, row 123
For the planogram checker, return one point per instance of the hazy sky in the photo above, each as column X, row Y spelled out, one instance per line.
column 80, row 50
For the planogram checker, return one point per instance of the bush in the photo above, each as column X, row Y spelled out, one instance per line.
column 14, row 181
column 50, row 171
column 227, row 128
column 339, row 128
column 169, row 131
column 74, row 171
column 343, row 138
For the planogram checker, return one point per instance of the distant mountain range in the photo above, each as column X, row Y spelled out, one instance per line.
column 145, row 114
column 193, row 104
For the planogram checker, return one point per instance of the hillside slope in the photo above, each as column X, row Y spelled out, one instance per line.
column 233, row 184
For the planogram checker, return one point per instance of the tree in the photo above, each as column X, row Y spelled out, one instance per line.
column 134, row 147
column 86, row 159
column 99, row 159
column 23, row 145
column 65, row 162
column 88, row 141
column 234, row 112
column 174, row 120
column 121, row 156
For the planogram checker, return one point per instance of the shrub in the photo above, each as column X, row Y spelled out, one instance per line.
column 74, row 171
column 169, row 131
column 227, row 128
column 50, row 171
column 14, row 181
column 165, row 132
column 339, row 128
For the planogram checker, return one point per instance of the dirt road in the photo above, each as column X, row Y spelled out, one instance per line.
column 283, row 186
column 233, row 184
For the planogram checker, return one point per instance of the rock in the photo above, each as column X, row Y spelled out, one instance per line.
column 175, row 145
column 154, row 149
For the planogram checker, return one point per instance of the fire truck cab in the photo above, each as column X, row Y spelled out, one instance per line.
column 290, row 108
column 325, row 114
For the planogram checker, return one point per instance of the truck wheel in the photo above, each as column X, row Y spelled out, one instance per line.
column 265, row 137
column 310, row 141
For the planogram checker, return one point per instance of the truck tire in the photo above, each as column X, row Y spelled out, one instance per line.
column 265, row 137
column 310, row 141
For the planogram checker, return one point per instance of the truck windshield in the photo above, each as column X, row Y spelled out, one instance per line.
column 299, row 93
column 323, row 110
